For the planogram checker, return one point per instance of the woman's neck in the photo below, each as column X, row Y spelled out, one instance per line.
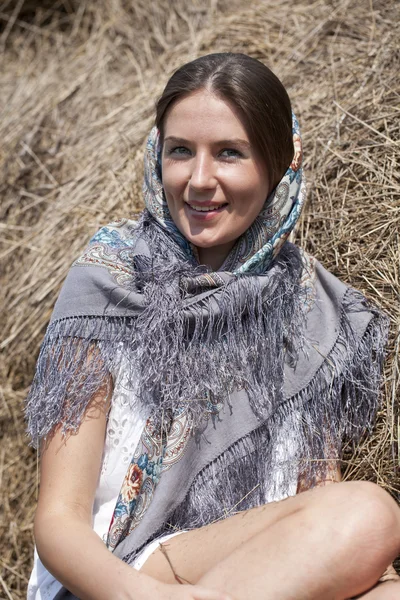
column 215, row 256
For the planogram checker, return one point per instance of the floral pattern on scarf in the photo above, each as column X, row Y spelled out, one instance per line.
column 151, row 458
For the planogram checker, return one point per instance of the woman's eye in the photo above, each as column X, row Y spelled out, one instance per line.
column 178, row 150
column 231, row 153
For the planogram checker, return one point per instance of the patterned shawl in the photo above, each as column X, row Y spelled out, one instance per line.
column 221, row 359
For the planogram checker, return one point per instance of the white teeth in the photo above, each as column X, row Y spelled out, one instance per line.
column 205, row 208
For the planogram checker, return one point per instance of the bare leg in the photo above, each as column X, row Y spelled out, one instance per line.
column 390, row 590
column 327, row 558
column 331, row 543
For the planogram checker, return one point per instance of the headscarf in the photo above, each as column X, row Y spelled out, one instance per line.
column 262, row 241
column 271, row 332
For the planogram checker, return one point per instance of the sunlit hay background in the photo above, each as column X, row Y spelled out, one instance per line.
column 79, row 80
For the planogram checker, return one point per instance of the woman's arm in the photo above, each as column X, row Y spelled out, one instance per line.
column 66, row 542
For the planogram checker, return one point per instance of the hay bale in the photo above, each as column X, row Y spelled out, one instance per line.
column 79, row 83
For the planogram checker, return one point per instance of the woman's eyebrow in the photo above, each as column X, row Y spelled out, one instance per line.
column 233, row 141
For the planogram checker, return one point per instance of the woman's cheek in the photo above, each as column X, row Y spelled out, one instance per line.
column 240, row 183
column 174, row 184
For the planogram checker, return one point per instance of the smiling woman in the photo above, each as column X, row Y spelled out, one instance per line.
column 214, row 181
column 211, row 373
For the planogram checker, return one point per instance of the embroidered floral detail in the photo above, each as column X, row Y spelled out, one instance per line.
column 132, row 483
column 152, row 457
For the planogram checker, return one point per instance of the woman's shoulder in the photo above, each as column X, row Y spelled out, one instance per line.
column 103, row 272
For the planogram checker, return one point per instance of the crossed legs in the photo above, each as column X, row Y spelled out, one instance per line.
column 329, row 543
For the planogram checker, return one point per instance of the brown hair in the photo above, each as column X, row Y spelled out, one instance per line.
column 253, row 89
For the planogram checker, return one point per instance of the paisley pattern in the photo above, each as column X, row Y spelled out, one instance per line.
column 138, row 486
column 308, row 280
column 152, row 457
column 111, row 247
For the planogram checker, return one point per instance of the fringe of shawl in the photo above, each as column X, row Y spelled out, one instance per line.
column 178, row 354
column 303, row 439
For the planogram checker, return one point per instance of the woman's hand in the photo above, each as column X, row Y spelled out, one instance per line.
column 189, row 592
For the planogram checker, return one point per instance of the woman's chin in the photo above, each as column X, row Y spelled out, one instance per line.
column 207, row 243
column 206, row 237
column 200, row 236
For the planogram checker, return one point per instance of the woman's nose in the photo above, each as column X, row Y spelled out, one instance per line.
column 202, row 175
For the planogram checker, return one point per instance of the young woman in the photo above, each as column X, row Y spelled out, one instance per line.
column 200, row 376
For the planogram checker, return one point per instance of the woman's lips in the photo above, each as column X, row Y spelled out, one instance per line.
column 204, row 215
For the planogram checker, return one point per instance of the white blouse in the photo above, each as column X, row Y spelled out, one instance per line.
column 124, row 429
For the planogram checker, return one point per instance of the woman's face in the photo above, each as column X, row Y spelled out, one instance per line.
column 214, row 182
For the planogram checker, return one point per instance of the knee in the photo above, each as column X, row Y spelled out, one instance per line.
column 369, row 515
column 373, row 506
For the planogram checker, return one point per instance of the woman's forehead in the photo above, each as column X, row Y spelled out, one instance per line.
column 203, row 115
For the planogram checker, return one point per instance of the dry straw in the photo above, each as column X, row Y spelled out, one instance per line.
column 79, row 81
